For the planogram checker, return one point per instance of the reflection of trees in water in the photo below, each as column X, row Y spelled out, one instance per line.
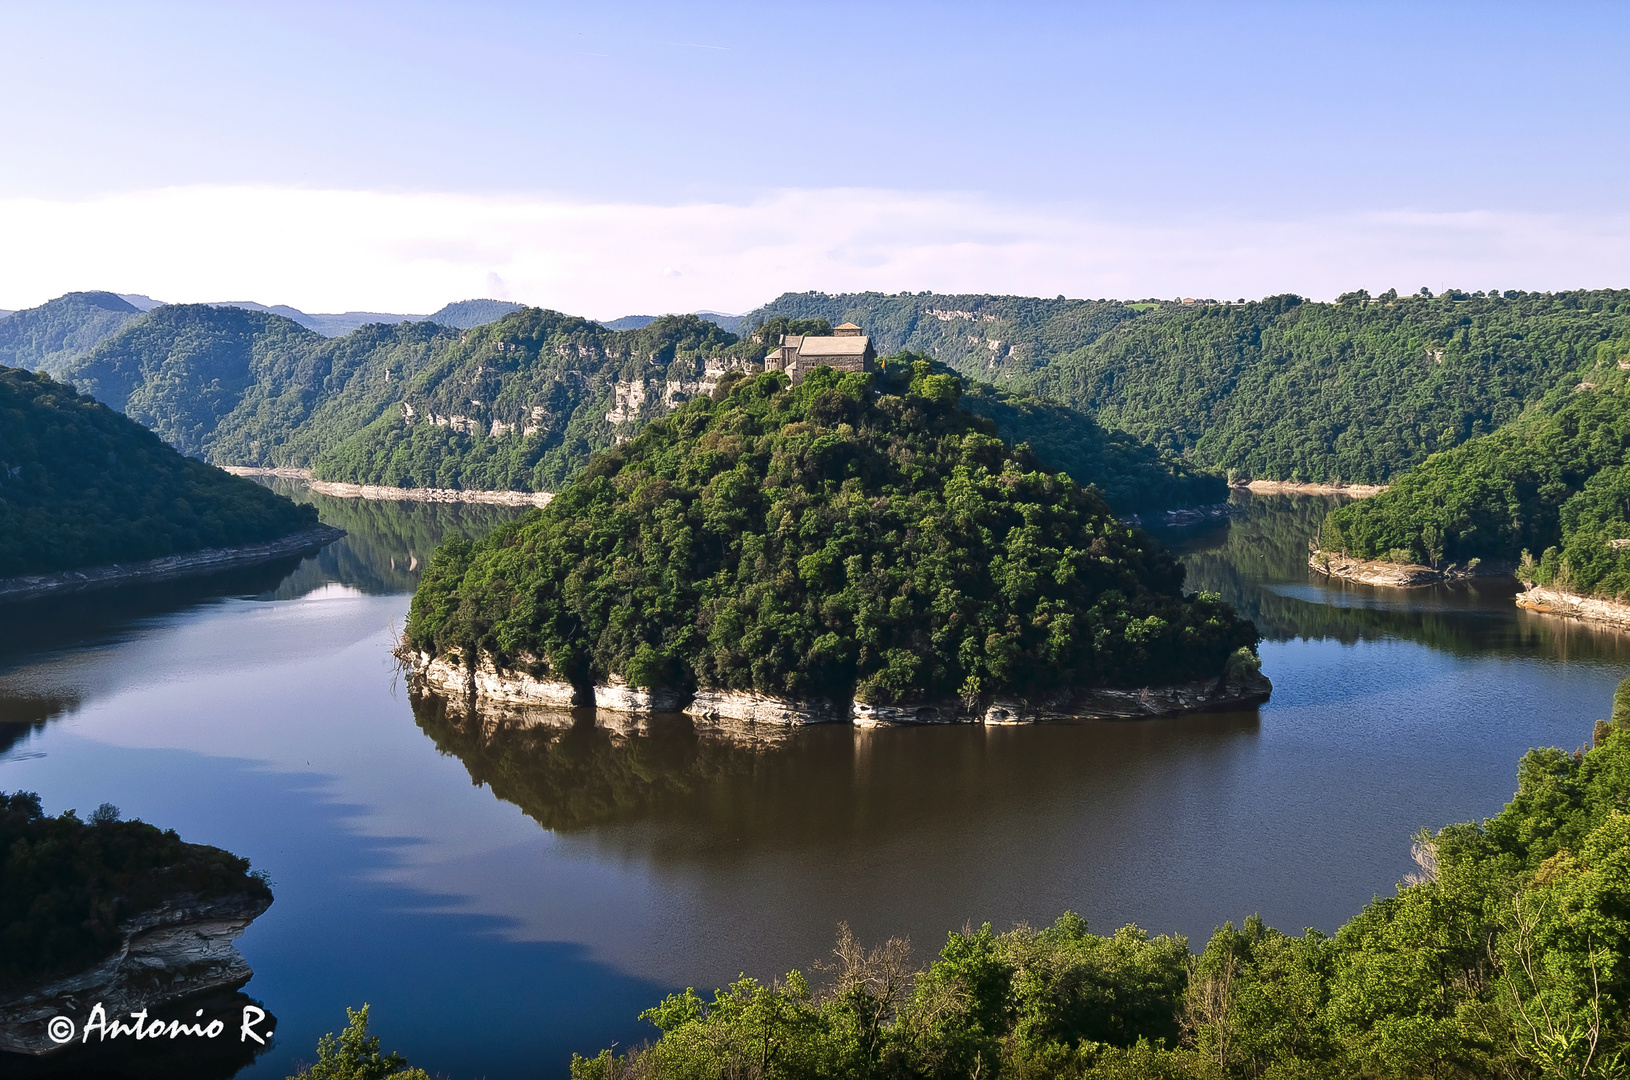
column 1265, row 544
column 81, row 620
column 21, row 716
column 567, row 772
column 387, row 543
column 813, row 786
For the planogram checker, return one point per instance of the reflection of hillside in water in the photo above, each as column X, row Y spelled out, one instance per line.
column 22, row 716
column 573, row 770
column 386, row 544
column 1257, row 561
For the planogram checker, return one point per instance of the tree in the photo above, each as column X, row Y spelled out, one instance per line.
column 353, row 1054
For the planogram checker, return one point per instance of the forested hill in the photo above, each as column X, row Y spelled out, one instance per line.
column 1554, row 483
column 520, row 403
column 825, row 540
column 517, row 404
column 82, row 486
column 1354, row 391
column 49, row 337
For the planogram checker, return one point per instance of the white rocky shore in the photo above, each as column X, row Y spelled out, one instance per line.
column 207, row 561
column 1396, row 575
column 343, row 490
column 450, row 677
column 182, row 948
column 1574, row 606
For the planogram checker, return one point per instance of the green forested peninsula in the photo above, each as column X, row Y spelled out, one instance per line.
column 49, row 337
column 82, row 486
column 1355, row 391
column 822, row 541
column 1506, row 955
column 1555, row 483
column 66, row 884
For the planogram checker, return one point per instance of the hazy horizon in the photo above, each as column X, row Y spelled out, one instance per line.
column 639, row 158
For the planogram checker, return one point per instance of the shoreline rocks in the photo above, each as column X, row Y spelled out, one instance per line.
column 342, row 490
column 188, row 564
column 748, row 707
column 450, row 677
column 178, row 950
column 1288, row 487
column 1574, row 606
column 1400, row 575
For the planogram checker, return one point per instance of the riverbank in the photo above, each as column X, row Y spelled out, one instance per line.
column 189, row 564
column 1287, row 487
column 1394, row 575
column 1574, row 606
column 181, row 949
column 449, row 677
column 396, row 494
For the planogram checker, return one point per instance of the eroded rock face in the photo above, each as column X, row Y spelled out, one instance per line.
column 1575, row 606
column 491, row 687
column 178, row 950
column 1400, row 575
column 753, row 708
column 450, row 677
column 618, row 696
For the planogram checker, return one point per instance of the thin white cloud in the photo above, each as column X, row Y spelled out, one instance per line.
column 326, row 250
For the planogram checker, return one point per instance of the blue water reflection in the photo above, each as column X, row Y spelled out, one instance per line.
column 506, row 892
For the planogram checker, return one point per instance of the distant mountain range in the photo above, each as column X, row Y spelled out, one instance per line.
column 732, row 323
column 1282, row 388
column 462, row 314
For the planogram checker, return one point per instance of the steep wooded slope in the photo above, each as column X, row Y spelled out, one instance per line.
column 47, row 338
column 82, row 486
column 1355, row 391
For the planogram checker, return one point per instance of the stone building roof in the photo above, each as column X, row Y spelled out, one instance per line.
column 813, row 347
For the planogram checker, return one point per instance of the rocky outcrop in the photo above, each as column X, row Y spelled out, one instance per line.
column 1574, row 606
column 1401, row 575
column 1233, row 691
column 618, row 696
column 449, row 675
column 451, row 678
column 381, row 492
column 751, row 708
column 177, row 950
column 1290, row 487
column 190, row 564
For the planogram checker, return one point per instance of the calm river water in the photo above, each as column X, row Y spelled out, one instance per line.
column 506, row 896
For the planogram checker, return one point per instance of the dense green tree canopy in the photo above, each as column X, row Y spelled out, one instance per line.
column 1355, row 391
column 841, row 536
column 82, row 486
column 1552, row 481
column 49, row 337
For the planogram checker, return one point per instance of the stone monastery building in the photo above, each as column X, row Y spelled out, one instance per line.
column 846, row 350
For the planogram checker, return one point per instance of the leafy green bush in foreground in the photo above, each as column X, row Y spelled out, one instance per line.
column 1507, row 955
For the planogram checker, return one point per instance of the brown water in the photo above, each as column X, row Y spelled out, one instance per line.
column 504, row 893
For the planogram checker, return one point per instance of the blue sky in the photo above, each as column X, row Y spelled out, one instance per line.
column 614, row 157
